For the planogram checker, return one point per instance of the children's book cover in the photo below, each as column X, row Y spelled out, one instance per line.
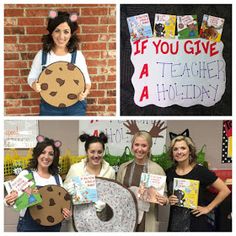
column 84, row 189
column 139, row 27
column 28, row 195
column 164, row 26
column 212, row 28
column 187, row 26
column 150, row 186
column 186, row 191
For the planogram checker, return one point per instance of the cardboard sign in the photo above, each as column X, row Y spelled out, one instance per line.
column 182, row 72
column 61, row 82
column 48, row 213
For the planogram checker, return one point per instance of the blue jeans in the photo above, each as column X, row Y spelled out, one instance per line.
column 27, row 224
column 78, row 109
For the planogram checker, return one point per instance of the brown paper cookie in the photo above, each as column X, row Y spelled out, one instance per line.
column 61, row 82
column 49, row 211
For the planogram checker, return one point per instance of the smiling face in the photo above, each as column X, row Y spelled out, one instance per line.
column 141, row 149
column 95, row 153
column 61, row 35
column 181, row 151
column 45, row 159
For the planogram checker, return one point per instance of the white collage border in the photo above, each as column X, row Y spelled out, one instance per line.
column 117, row 2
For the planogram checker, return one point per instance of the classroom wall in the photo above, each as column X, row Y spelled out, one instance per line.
column 203, row 132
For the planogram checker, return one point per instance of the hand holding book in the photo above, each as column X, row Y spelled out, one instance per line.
column 161, row 200
column 11, row 198
column 173, row 200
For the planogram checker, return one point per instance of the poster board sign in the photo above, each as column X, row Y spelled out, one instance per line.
column 184, row 72
column 20, row 133
column 117, row 135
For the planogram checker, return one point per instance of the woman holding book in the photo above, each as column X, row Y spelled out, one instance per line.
column 130, row 172
column 93, row 164
column 44, row 168
column 182, row 219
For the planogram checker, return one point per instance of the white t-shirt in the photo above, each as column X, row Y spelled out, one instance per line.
column 36, row 67
column 42, row 181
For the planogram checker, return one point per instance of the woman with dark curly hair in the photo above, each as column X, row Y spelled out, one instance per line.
column 60, row 44
column 44, row 168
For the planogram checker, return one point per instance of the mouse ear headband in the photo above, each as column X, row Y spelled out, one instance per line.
column 53, row 14
column 184, row 133
column 41, row 138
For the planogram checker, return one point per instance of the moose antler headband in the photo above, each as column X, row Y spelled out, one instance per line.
column 155, row 131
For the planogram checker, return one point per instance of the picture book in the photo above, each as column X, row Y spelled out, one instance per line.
column 84, row 189
column 164, row 26
column 186, row 191
column 24, row 185
column 150, row 186
column 187, row 26
column 212, row 28
column 139, row 27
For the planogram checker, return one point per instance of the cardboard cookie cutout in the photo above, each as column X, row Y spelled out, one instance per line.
column 122, row 202
column 61, row 82
column 49, row 211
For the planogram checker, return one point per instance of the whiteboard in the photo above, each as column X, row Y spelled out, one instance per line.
column 20, row 133
column 118, row 138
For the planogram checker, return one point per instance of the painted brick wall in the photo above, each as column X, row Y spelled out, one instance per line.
column 24, row 25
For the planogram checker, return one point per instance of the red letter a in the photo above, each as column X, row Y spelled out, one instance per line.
column 144, row 93
column 144, row 71
column 96, row 133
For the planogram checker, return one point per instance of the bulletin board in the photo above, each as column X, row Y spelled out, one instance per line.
column 127, row 104
column 117, row 135
column 227, row 142
column 20, row 133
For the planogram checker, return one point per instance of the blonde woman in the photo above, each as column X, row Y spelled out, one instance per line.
column 130, row 172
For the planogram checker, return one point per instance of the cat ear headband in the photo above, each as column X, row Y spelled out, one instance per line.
column 53, row 14
column 173, row 135
column 41, row 138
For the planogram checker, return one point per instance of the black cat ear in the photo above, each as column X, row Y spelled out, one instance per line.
column 172, row 135
column 186, row 133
